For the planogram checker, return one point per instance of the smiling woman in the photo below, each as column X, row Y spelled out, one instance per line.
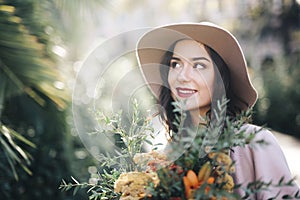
column 191, row 77
column 197, row 64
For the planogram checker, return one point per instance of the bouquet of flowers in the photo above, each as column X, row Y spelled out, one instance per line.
column 196, row 166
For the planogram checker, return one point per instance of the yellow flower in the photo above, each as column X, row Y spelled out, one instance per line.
column 133, row 185
column 151, row 161
column 227, row 180
column 223, row 160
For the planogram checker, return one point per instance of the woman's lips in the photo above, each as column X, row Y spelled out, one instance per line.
column 185, row 92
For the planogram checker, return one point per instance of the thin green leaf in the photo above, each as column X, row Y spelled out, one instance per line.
column 74, row 180
column 18, row 136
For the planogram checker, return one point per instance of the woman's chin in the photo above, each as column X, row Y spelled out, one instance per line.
column 189, row 107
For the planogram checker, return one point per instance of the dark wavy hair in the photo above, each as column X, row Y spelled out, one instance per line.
column 165, row 98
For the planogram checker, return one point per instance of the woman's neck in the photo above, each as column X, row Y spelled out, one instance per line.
column 199, row 115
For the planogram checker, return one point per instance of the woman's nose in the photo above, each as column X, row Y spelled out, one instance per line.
column 185, row 73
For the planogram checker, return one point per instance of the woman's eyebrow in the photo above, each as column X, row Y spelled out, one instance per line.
column 193, row 59
column 201, row 58
column 175, row 58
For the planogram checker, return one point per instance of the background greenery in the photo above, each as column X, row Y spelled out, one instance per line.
column 42, row 42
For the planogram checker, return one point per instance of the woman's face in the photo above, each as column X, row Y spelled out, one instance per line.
column 191, row 76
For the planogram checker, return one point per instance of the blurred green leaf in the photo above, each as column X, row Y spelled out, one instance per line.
column 24, row 68
column 24, row 64
column 14, row 153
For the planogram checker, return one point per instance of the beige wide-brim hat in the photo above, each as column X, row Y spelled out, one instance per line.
column 153, row 44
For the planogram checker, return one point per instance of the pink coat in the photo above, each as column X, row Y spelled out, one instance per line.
column 262, row 162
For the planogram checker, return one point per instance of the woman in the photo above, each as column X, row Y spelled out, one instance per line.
column 197, row 64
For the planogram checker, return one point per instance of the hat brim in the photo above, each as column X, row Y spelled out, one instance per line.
column 152, row 46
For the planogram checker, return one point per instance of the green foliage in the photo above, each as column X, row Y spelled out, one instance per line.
column 24, row 60
column 104, row 189
column 279, row 106
column 206, row 139
column 46, row 128
column 35, row 148
column 13, row 152
column 130, row 132
column 271, row 24
column 23, row 69
column 258, row 186
column 190, row 148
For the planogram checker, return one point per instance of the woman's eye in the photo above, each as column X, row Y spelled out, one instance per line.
column 175, row 65
column 199, row 66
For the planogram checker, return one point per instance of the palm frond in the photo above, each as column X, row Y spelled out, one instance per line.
column 25, row 67
column 24, row 63
column 13, row 152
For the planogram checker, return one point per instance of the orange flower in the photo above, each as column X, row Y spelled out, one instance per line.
column 210, row 180
column 191, row 182
column 187, row 186
column 193, row 179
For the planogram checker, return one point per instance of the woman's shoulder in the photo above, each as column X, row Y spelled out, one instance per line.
column 263, row 138
column 252, row 127
column 259, row 131
column 264, row 162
